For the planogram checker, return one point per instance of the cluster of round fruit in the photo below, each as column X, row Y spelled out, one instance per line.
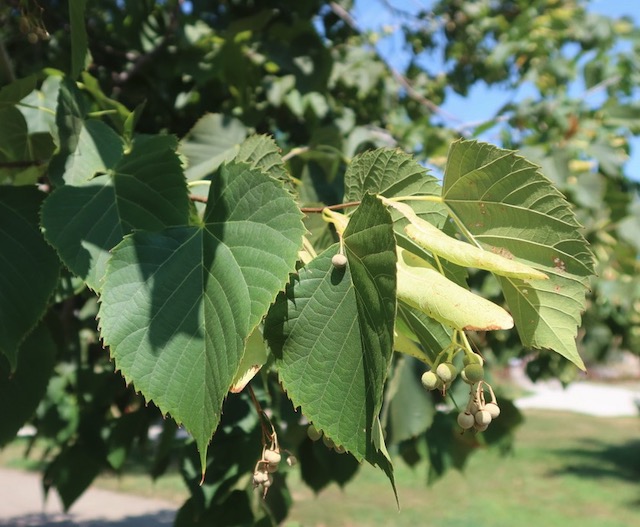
column 33, row 29
column 315, row 435
column 479, row 414
column 267, row 465
column 445, row 373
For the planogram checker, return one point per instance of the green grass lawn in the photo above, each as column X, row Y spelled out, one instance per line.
column 567, row 470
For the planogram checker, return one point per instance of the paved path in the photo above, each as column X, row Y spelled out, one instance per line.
column 21, row 498
column 22, row 505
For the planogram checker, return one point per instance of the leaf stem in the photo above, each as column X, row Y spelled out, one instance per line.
column 199, row 183
column 35, row 107
column 295, row 152
column 266, row 430
column 431, row 198
column 318, row 210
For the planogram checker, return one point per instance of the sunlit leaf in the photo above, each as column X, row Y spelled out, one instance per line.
column 178, row 305
column 505, row 203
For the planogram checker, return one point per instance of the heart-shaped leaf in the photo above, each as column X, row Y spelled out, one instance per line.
column 178, row 305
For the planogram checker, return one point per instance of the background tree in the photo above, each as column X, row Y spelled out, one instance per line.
column 308, row 75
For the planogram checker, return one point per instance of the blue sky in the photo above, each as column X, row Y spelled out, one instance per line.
column 482, row 102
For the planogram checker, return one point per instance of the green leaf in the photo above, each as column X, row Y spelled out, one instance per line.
column 178, row 305
column 71, row 472
column 332, row 334
column 13, row 93
column 321, row 466
column 28, row 267
column 145, row 189
column 261, row 151
column 432, row 335
column 80, row 56
column 507, row 205
column 22, row 390
column 71, row 112
column 14, row 135
column 213, row 140
column 411, row 409
column 393, row 173
column 98, row 149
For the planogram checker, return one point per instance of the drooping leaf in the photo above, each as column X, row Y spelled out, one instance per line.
column 332, row 334
column 213, row 140
column 178, row 305
column 28, row 267
column 21, row 390
column 144, row 189
column 506, row 203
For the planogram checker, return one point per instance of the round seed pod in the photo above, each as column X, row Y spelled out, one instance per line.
column 313, row 433
column 430, row 380
column 473, row 358
column 473, row 373
column 339, row 260
column 480, row 428
column 482, row 417
column 466, row 420
column 493, row 409
column 292, row 461
column 260, row 477
column 328, row 442
column 447, row 372
column 272, row 457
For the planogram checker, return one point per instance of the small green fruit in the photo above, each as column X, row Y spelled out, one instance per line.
column 313, row 433
column 473, row 373
column 430, row 380
column 473, row 358
column 328, row 442
column 292, row 461
column 447, row 372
